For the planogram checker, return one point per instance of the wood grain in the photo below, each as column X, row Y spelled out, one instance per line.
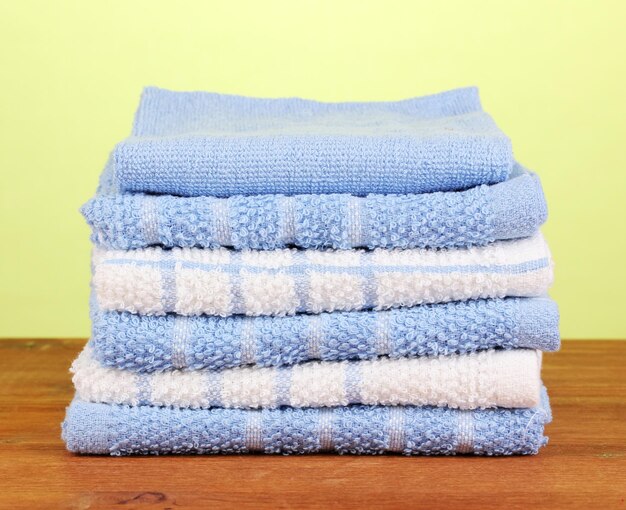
column 584, row 466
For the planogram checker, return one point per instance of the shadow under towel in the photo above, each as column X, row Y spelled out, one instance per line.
column 154, row 343
column 509, row 210
column 485, row 379
column 197, row 143
column 144, row 430
column 191, row 281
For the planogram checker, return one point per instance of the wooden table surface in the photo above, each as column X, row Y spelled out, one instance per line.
column 584, row 465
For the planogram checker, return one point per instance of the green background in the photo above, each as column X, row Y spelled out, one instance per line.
column 551, row 74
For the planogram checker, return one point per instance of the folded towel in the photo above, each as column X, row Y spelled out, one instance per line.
column 195, row 143
column 154, row 343
column 508, row 210
column 192, row 281
column 485, row 379
column 123, row 430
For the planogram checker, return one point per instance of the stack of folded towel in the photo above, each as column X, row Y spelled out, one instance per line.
column 289, row 276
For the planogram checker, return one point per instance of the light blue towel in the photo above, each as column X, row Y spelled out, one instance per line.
column 155, row 343
column 143, row 430
column 512, row 209
column 197, row 143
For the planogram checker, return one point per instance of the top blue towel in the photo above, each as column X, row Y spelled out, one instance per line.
column 197, row 143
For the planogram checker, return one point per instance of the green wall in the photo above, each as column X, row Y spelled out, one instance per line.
column 551, row 73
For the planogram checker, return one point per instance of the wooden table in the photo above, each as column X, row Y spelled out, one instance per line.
column 584, row 466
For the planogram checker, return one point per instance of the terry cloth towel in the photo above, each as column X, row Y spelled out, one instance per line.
column 192, row 281
column 197, row 143
column 154, row 343
column 123, row 430
column 485, row 379
column 478, row 216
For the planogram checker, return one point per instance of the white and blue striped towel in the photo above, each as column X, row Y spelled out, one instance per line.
column 469, row 381
column 223, row 282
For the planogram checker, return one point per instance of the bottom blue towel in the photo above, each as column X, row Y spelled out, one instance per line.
column 125, row 430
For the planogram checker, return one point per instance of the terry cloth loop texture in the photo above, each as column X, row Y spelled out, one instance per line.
column 144, row 430
column 478, row 216
column 196, row 143
column 155, row 343
column 191, row 281
column 477, row 380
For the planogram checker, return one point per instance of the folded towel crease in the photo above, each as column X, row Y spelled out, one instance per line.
column 486, row 379
column 93, row 428
column 145, row 343
column 196, row 143
column 191, row 281
column 475, row 217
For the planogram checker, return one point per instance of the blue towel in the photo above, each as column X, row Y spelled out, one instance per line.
column 512, row 209
column 196, row 143
column 155, row 343
column 124, row 430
